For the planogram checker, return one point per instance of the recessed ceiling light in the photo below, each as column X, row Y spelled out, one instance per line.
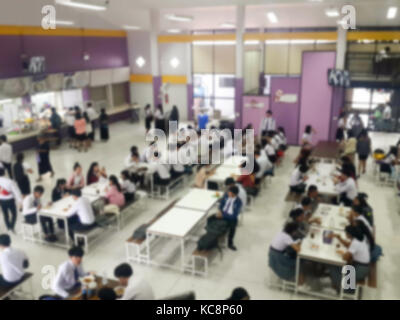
column 227, row 25
column 272, row 17
column 81, row 5
column 140, row 62
column 174, row 30
column 174, row 17
column 64, row 23
column 175, row 63
column 131, row 27
column 332, row 12
column 316, row 0
column 391, row 13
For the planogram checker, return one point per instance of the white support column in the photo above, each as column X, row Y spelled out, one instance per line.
column 155, row 27
column 189, row 62
column 341, row 47
column 240, row 17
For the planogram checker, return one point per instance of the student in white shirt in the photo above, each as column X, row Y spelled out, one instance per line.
column 70, row 121
column 388, row 163
column 269, row 149
column 135, row 288
column 162, row 174
column 282, row 252
column 298, row 178
column 307, row 139
column 347, row 188
column 128, row 186
column 267, row 124
column 30, row 208
column 9, row 196
column 81, row 213
column 76, row 180
column 356, row 252
column 148, row 152
column 66, row 281
column 6, row 155
column 132, row 159
column 264, row 165
column 13, row 263
column 282, row 136
column 93, row 115
column 230, row 182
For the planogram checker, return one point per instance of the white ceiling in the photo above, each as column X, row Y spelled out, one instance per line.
column 208, row 14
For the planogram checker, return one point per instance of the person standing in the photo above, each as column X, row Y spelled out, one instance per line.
column 356, row 125
column 43, row 158
column 202, row 119
column 6, row 154
column 93, row 117
column 148, row 117
column 174, row 116
column 80, row 131
column 159, row 118
column 20, row 174
column 70, row 121
column 104, row 134
column 10, row 195
column 363, row 151
column 341, row 128
column 55, row 121
column 268, row 124
column 387, row 117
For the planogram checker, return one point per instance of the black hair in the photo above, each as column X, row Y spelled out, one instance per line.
column 124, row 270
column 20, row 157
column 312, row 188
column 295, row 213
column 308, row 129
column 115, row 182
column 303, row 168
column 354, row 232
column 290, row 227
column 76, row 252
column 282, row 129
column 229, row 181
column 78, row 115
column 76, row 193
column 90, row 171
column 3, row 138
column 39, row 189
column 60, row 182
column 306, row 201
column 238, row 294
column 76, row 165
column 269, row 112
column 134, row 150
column 5, row 240
column 107, row 294
column 2, row 172
column 234, row 190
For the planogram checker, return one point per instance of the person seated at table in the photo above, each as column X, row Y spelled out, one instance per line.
column 239, row 294
column 149, row 151
column 128, row 186
column 269, row 149
column 230, row 182
column 247, row 180
column 265, row 166
column 368, row 212
column 298, row 179
column 346, row 187
column 263, row 154
column 95, row 174
column 81, row 213
column 298, row 216
column 114, row 195
column 162, row 175
column 389, row 162
column 177, row 170
column 305, row 205
column 203, row 173
column 66, row 281
column 348, row 147
column 348, row 166
column 76, row 180
column 283, row 251
column 30, row 208
column 312, row 193
column 282, row 136
column 60, row 190
column 356, row 253
column 304, row 158
column 107, row 294
column 131, row 160
column 307, row 138
column 13, row 263
column 136, row 288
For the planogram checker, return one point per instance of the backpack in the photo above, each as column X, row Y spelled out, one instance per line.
column 216, row 226
column 208, row 241
column 140, row 233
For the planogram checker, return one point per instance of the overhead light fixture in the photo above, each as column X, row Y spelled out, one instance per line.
column 391, row 13
column 174, row 30
column 251, row 42
column 140, row 62
column 272, row 17
column 302, row 41
column 81, row 5
column 5, row 101
column 332, row 12
column 227, row 25
column 174, row 17
column 131, row 27
column 315, row 0
column 64, row 23
column 214, row 43
column 174, row 63
column 277, row 41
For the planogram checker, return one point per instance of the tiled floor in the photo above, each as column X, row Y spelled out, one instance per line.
column 248, row 266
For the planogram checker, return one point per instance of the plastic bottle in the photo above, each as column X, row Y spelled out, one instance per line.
column 104, row 279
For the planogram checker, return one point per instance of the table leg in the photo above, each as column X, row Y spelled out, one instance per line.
column 183, row 254
column 66, row 229
column 297, row 273
column 148, row 248
column 341, row 287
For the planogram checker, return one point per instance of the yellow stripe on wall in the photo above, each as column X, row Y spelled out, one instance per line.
column 195, row 37
column 291, row 36
column 174, row 79
column 141, row 78
column 373, row 35
column 66, row 32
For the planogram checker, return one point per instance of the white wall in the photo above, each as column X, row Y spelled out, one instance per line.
column 139, row 46
column 141, row 93
column 169, row 51
column 178, row 96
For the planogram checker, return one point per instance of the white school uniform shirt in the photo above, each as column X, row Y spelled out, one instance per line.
column 83, row 209
column 307, row 137
column 366, row 222
column 92, row 114
column 360, row 251
column 341, row 123
column 178, row 167
column 387, row 112
column 28, row 205
column 269, row 149
column 283, row 138
column 70, row 119
column 11, row 263
column 163, row 171
column 5, row 152
column 268, row 124
column 138, row 289
column 296, row 178
column 128, row 186
column 281, row 241
column 389, row 159
column 65, row 278
column 9, row 190
column 275, row 144
column 263, row 163
column 349, row 187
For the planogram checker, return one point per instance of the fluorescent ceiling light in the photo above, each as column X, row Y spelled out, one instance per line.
column 131, row 27
column 174, row 17
column 5, row 101
column 174, row 63
column 272, row 17
column 391, row 13
column 316, row 0
column 332, row 12
column 140, row 62
column 325, row 41
column 302, row 41
column 227, row 25
column 174, row 30
column 64, row 23
column 81, row 5
column 214, row 43
column 251, row 42
column 277, row 41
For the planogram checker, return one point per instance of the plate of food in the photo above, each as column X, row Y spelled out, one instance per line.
column 119, row 291
column 88, row 279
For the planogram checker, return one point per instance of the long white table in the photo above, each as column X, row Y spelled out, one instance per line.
column 199, row 199
column 222, row 172
column 234, row 161
column 321, row 176
column 98, row 189
column 333, row 217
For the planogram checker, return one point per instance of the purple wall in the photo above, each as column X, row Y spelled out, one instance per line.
column 63, row 54
column 316, row 94
column 239, row 89
column 286, row 114
column 157, row 82
column 254, row 115
column 190, row 101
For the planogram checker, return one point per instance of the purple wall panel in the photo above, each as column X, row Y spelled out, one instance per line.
column 10, row 56
column 286, row 114
column 338, row 98
column 157, row 82
column 316, row 94
column 254, row 115
column 106, row 52
column 239, row 88
column 86, row 94
column 190, row 102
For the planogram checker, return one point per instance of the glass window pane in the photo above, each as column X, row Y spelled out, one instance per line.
column 360, row 106
column 380, row 96
column 224, row 86
column 202, row 58
column 361, row 95
column 276, row 58
column 225, row 59
column 226, row 107
column 296, row 56
column 203, row 90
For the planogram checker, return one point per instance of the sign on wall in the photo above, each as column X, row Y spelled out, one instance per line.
column 254, row 103
column 282, row 97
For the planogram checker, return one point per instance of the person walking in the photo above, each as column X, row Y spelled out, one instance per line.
column 104, row 134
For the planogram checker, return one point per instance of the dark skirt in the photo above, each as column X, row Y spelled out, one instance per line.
column 339, row 134
column 283, row 265
column 104, row 133
column 44, row 164
column 148, row 121
column 24, row 185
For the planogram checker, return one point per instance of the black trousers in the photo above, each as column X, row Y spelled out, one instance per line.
column 45, row 222
column 232, row 231
column 300, row 188
column 7, row 166
column 9, row 212
column 75, row 225
column 346, row 201
column 5, row 284
column 92, row 135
